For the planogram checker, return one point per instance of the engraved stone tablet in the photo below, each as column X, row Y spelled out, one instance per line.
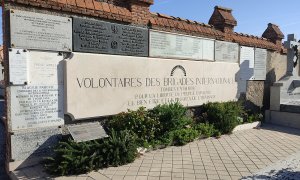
column 36, row 106
column 168, row 45
column 109, row 38
column 18, row 66
column 31, row 30
column 45, row 68
column 226, row 52
column 247, row 63
column 87, row 132
column 107, row 85
column 260, row 64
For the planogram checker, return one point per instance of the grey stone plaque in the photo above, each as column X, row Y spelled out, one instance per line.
column 31, row 30
column 109, row 38
column 260, row 64
column 87, row 132
column 36, row 106
column 34, row 143
column 226, row 51
column 168, row 45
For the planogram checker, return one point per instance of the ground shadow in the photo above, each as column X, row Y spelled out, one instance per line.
column 282, row 129
column 284, row 174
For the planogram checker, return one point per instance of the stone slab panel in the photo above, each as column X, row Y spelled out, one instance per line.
column 226, row 52
column 36, row 106
column 35, row 143
column 87, row 132
column 30, row 30
column 109, row 38
column 18, row 67
column 45, row 68
column 260, row 64
column 168, row 45
column 246, row 63
column 285, row 119
column 107, row 85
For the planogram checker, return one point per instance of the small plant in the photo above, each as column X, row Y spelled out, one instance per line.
column 171, row 116
column 184, row 136
column 138, row 122
column 205, row 129
column 224, row 116
column 254, row 117
column 119, row 148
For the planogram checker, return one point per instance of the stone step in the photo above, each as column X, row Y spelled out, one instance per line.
column 292, row 108
column 287, row 119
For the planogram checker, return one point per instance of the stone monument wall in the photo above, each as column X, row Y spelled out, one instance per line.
column 137, row 58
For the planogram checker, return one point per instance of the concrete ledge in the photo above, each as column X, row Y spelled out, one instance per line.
column 247, row 126
column 284, row 119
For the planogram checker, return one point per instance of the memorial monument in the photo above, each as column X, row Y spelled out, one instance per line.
column 285, row 93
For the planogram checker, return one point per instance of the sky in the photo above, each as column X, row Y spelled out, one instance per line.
column 252, row 16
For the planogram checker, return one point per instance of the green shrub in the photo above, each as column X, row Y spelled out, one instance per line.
column 119, row 148
column 224, row 116
column 171, row 116
column 253, row 117
column 184, row 136
column 139, row 122
column 78, row 158
column 205, row 129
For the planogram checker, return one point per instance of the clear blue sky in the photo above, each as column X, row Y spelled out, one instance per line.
column 252, row 16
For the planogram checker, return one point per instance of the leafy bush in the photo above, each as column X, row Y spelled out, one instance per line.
column 171, row 116
column 119, row 148
column 139, row 122
column 78, row 158
column 224, row 116
column 253, row 117
column 184, row 136
column 205, row 129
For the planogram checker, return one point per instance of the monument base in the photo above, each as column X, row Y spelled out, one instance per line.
column 287, row 119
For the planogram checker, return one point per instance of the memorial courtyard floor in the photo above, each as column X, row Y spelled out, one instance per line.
column 264, row 153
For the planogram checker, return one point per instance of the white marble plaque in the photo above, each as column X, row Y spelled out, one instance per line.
column 87, row 132
column 18, row 66
column 226, row 51
column 36, row 106
column 247, row 63
column 260, row 64
column 31, row 30
column 177, row 46
column 109, row 84
column 45, row 68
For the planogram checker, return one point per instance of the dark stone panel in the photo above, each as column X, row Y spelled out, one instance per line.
column 109, row 38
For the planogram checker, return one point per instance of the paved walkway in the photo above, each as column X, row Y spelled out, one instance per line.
column 243, row 154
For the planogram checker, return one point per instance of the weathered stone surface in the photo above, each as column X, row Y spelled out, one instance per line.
column 87, row 131
column 109, row 38
column 36, row 106
column 31, row 30
column 226, row 51
column 35, row 143
column 168, row 45
column 117, row 83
